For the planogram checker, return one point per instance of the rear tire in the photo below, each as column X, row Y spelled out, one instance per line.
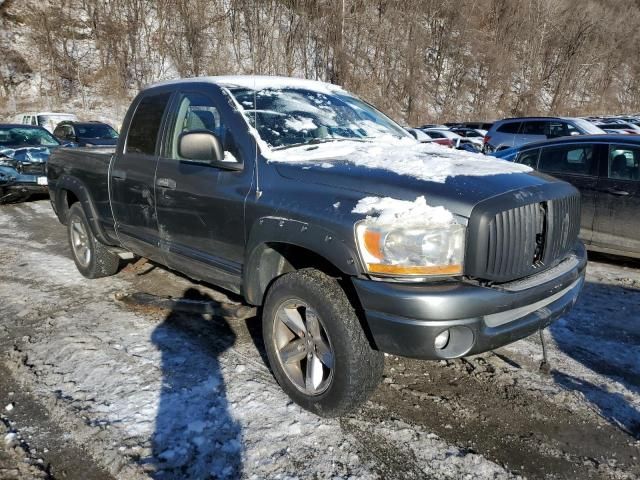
column 93, row 259
column 316, row 346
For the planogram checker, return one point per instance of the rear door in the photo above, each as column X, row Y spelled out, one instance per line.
column 617, row 222
column 132, row 177
column 578, row 165
column 200, row 204
column 531, row 131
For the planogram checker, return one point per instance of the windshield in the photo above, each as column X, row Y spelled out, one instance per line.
column 288, row 117
column 95, row 130
column 23, row 136
column 587, row 127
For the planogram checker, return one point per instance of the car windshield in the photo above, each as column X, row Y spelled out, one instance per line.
column 13, row 137
column 587, row 126
column 287, row 117
column 95, row 130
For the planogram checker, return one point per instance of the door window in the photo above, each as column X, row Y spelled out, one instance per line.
column 196, row 112
column 145, row 124
column 558, row 129
column 624, row 163
column 572, row 159
column 533, row 128
column 529, row 157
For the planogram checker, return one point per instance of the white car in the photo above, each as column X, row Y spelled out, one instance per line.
column 48, row 120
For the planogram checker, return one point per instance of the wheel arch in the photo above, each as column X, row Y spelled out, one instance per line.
column 279, row 246
column 70, row 190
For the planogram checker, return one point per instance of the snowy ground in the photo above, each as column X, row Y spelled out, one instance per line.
column 98, row 390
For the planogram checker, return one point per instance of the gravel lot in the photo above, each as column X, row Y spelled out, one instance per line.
column 94, row 388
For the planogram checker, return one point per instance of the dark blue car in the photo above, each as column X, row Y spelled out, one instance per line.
column 24, row 151
column 606, row 170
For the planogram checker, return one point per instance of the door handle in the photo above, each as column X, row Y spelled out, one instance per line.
column 615, row 191
column 169, row 183
column 118, row 174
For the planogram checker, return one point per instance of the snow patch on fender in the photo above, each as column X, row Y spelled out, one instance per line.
column 386, row 211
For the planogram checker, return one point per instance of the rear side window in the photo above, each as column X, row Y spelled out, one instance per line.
column 145, row 124
column 529, row 158
column 573, row 159
column 512, row 127
column 624, row 163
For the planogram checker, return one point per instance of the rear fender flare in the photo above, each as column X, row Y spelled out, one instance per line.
column 80, row 190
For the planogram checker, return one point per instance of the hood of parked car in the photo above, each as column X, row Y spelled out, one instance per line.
column 27, row 154
column 453, row 178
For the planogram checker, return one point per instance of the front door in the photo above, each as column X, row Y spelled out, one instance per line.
column 200, row 204
column 132, row 178
column 617, row 226
column 578, row 165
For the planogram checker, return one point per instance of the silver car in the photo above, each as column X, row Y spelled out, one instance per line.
column 513, row 132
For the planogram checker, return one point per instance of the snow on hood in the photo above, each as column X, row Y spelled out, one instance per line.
column 388, row 211
column 26, row 154
column 429, row 162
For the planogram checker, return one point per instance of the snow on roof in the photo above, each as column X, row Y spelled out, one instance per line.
column 405, row 156
column 387, row 211
column 258, row 82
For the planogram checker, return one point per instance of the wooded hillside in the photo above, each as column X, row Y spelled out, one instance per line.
column 419, row 60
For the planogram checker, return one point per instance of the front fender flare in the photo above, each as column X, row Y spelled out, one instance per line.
column 260, row 268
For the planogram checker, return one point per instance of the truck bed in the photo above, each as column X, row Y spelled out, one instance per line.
column 89, row 166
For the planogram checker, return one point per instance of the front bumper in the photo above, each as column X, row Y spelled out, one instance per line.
column 405, row 319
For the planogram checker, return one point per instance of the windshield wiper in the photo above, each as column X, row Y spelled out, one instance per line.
column 315, row 141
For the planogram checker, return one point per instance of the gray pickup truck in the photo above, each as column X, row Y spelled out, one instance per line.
column 353, row 238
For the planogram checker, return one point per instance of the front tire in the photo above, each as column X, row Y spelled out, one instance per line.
column 316, row 346
column 92, row 258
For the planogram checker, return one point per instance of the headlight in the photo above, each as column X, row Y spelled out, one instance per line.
column 411, row 250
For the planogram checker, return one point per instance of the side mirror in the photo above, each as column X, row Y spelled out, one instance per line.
column 574, row 133
column 200, row 145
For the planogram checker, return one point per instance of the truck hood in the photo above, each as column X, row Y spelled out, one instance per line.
column 454, row 179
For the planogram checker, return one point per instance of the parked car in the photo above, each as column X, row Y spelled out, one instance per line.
column 24, row 150
column 473, row 125
column 472, row 134
column 47, row 120
column 454, row 140
column 513, row 132
column 606, row 170
column 311, row 204
column 619, row 127
column 86, row 134
column 419, row 135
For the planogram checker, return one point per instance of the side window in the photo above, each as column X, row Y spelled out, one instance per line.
column 533, row 128
column 529, row 158
column 557, row 129
column 58, row 132
column 624, row 162
column 511, row 127
column 196, row 112
column 573, row 159
column 145, row 124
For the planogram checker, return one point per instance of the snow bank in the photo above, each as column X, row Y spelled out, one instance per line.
column 433, row 163
column 387, row 211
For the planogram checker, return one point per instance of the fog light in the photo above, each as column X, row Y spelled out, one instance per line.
column 441, row 340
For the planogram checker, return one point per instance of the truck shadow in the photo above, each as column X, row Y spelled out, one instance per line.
column 195, row 435
column 602, row 333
